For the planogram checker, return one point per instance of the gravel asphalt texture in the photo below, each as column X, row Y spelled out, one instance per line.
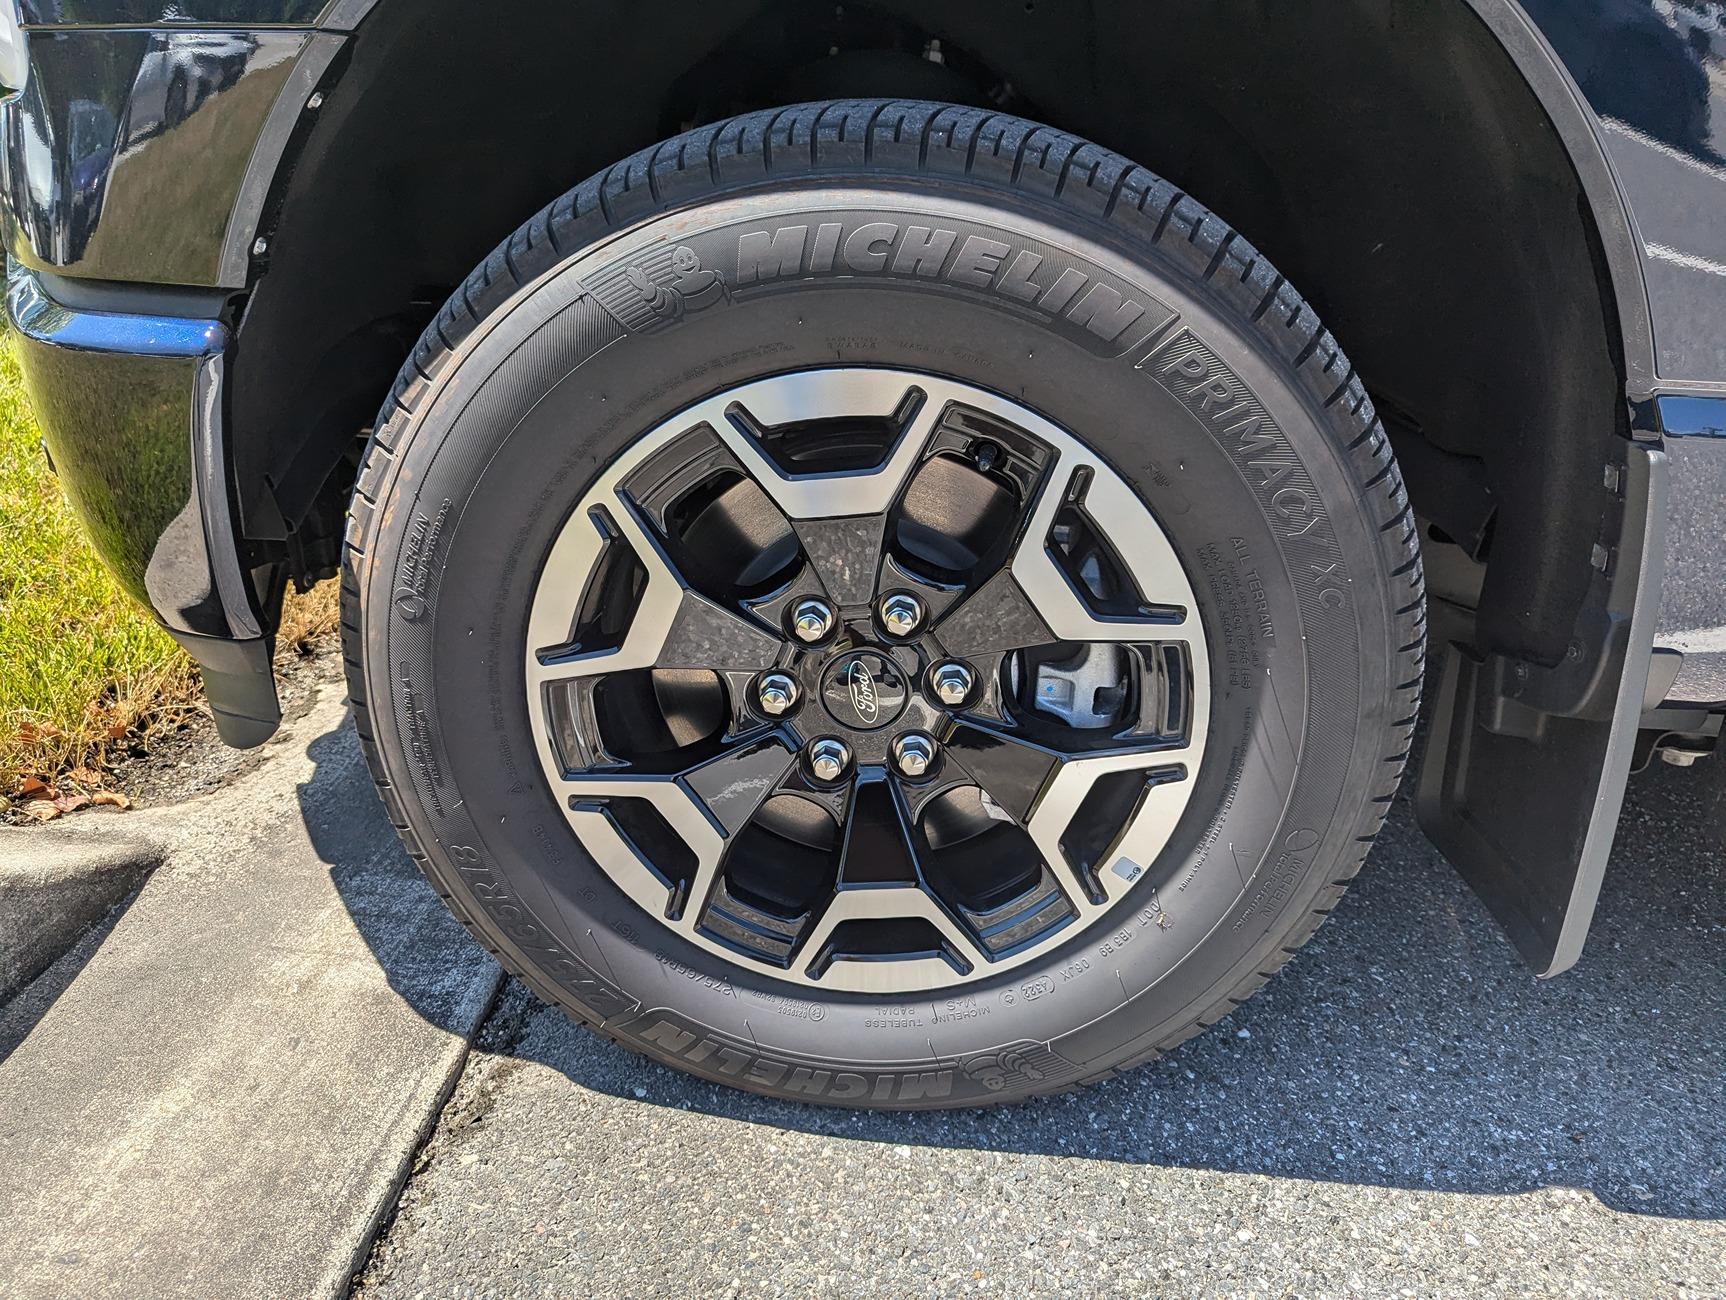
column 1404, row 1111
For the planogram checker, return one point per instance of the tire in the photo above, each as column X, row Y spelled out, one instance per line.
column 1222, row 402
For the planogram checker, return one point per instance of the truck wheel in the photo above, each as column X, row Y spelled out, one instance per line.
column 884, row 603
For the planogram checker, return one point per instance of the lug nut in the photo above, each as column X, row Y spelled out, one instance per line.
column 952, row 682
column 776, row 694
column 828, row 759
column 812, row 620
column 913, row 754
column 901, row 614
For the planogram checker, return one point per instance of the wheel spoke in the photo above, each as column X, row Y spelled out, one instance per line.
column 1031, row 602
column 1139, row 841
column 705, row 806
column 1141, row 545
column 1010, row 769
column 824, row 394
column 1042, row 790
column 732, row 786
column 592, row 815
column 999, row 616
column 879, row 880
column 846, row 552
column 672, row 627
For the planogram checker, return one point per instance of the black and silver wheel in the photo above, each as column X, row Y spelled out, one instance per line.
column 910, row 686
column 884, row 604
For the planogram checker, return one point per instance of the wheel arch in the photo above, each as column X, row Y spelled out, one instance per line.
column 1428, row 175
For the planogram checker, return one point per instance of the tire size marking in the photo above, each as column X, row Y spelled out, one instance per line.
column 718, row 983
column 516, row 920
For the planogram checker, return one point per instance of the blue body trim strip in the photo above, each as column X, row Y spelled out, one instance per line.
column 1692, row 417
column 46, row 321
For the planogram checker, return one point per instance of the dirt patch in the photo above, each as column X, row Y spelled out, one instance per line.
column 184, row 759
column 176, row 754
column 190, row 759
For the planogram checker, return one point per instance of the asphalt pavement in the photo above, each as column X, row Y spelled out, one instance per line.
column 1403, row 1111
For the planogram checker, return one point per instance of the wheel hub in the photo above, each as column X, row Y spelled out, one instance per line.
column 864, row 690
column 886, row 729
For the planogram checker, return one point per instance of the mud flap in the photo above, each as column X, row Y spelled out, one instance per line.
column 1526, row 764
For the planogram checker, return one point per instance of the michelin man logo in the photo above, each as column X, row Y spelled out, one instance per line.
column 690, row 289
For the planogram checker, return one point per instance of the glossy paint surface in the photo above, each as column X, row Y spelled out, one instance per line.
column 130, row 13
column 126, row 152
column 116, row 397
column 1654, row 71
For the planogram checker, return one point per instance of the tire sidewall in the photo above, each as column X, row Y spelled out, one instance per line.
column 1252, row 491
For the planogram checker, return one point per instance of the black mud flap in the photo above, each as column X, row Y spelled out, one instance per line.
column 1526, row 764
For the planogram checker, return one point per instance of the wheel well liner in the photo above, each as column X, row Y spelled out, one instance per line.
column 1426, row 174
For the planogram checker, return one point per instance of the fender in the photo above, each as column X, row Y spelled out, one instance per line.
column 1579, row 130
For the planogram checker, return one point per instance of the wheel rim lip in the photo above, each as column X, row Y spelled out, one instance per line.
column 1057, row 606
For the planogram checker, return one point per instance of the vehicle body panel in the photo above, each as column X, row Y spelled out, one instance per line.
column 204, row 13
column 93, row 163
column 1654, row 72
column 118, row 394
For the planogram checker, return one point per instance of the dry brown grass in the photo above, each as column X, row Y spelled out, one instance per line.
column 309, row 620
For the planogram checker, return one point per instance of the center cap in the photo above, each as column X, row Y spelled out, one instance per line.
column 864, row 690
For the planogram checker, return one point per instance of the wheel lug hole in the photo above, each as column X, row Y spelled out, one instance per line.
column 811, row 621
column 901, row 614
column 827, row 758
column 952, row 683
column 776, row 694
column 914, row 754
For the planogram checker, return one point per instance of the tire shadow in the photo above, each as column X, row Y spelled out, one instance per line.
column 1407, row 1046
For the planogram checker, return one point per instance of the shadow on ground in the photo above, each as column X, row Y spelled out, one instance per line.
column 35, row 1000
column 1405, row 1047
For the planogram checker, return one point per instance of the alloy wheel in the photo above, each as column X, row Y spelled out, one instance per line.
column 868, row 680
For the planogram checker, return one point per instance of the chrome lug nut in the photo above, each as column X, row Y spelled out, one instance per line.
column 901, row 614
column 812, row 620
column 776, row 694
column 828, row 758
column 913, row 754
column 952, row 682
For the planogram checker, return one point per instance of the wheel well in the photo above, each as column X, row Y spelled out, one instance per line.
column 1389, row 159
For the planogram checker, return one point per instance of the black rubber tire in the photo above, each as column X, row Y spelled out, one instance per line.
column 1288, row 511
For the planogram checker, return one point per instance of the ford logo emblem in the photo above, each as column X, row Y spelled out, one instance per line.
column 863, row 697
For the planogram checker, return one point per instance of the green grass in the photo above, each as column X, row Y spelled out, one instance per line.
column 81, row 665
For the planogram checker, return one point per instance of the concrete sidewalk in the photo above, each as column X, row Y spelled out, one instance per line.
column 223, row 1095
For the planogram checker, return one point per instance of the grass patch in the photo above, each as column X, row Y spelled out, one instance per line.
column 84, row 671
column 81, row 666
